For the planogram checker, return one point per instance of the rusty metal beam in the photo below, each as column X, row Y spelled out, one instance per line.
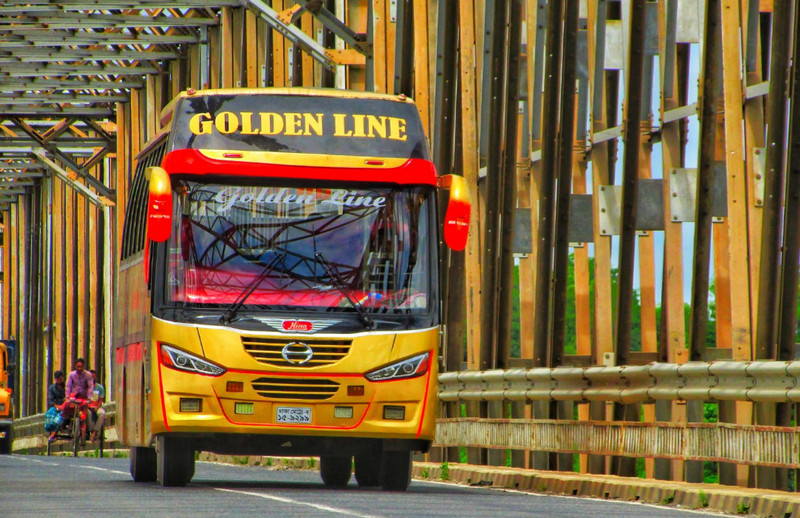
column 550, row 122
column 566, row 138
column 71, row 179
column 630, row 178
column 712, row 64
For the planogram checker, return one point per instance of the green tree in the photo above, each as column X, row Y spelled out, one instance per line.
column 570, row 337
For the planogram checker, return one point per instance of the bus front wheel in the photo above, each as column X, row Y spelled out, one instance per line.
column 175, row 460
column 143, row 464
column 335, row 471
column 395, row 470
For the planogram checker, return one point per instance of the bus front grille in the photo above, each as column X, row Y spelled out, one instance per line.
column 295, row 388
column 270, row 351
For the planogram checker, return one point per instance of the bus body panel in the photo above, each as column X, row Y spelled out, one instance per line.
column 131, row 357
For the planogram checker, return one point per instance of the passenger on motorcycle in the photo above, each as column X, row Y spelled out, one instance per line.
column 80, row 385
column 97, row 413
column 56, row 391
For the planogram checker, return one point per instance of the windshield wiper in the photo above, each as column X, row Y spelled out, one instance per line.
column 248, row 290
column 337, row 281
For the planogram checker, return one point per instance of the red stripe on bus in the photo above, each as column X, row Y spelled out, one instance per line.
column 163, row 398
column 297, row 375
column 191, row 161
column 425, row 398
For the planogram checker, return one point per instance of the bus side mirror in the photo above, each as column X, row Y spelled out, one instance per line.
column 159, row 205
column 456, row 217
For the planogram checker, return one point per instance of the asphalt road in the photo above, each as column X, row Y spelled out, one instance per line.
column 38, row 486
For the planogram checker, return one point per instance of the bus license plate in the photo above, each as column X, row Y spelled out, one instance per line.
column 292, row 414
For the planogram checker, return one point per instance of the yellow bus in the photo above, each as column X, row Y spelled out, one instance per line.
column 278, row 285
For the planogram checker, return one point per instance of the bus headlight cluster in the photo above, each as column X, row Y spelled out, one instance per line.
column 183, row 361
column 408, row 368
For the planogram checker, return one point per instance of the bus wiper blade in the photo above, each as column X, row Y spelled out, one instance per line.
column 337, row 281
column 248, row 290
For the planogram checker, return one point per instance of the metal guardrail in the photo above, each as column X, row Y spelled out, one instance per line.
column 757, row 381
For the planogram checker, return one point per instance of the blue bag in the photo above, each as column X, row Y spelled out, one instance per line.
column 53, row 419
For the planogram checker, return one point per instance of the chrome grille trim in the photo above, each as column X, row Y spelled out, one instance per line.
column 267, row 350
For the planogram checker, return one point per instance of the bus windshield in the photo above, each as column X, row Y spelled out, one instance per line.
column 301, row 247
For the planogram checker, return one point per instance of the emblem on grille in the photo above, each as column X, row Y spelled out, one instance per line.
column 298, row 326
column 303, row 326
column 297, row 353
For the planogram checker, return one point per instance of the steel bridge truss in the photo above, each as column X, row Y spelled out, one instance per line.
column 64, row 67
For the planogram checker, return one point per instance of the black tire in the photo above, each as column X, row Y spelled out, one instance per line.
column 76, row 434
column 335, row 471
column 143, row 464
column 175, row 460
column 5, row 443
column 396, row 470
column 368, row 470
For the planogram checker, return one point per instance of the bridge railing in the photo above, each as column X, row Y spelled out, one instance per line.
column 757, row 381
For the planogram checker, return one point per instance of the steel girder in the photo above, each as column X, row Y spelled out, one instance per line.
column 65, row 64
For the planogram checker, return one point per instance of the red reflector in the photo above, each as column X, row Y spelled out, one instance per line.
column 235, row 386
column 374, row 162
column 355, row 390
column 232, row 155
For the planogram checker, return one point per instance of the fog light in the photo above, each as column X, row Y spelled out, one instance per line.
column 191, row 404
column 235, row 386
column 343, row 412
column 355, row 390
column 243, row 408
column 395, row 413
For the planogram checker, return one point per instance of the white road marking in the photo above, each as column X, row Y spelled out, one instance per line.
column 28, row 459
column 297, row 502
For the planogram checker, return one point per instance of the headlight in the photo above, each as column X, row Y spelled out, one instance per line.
column 183, row 361
column 408, row 368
